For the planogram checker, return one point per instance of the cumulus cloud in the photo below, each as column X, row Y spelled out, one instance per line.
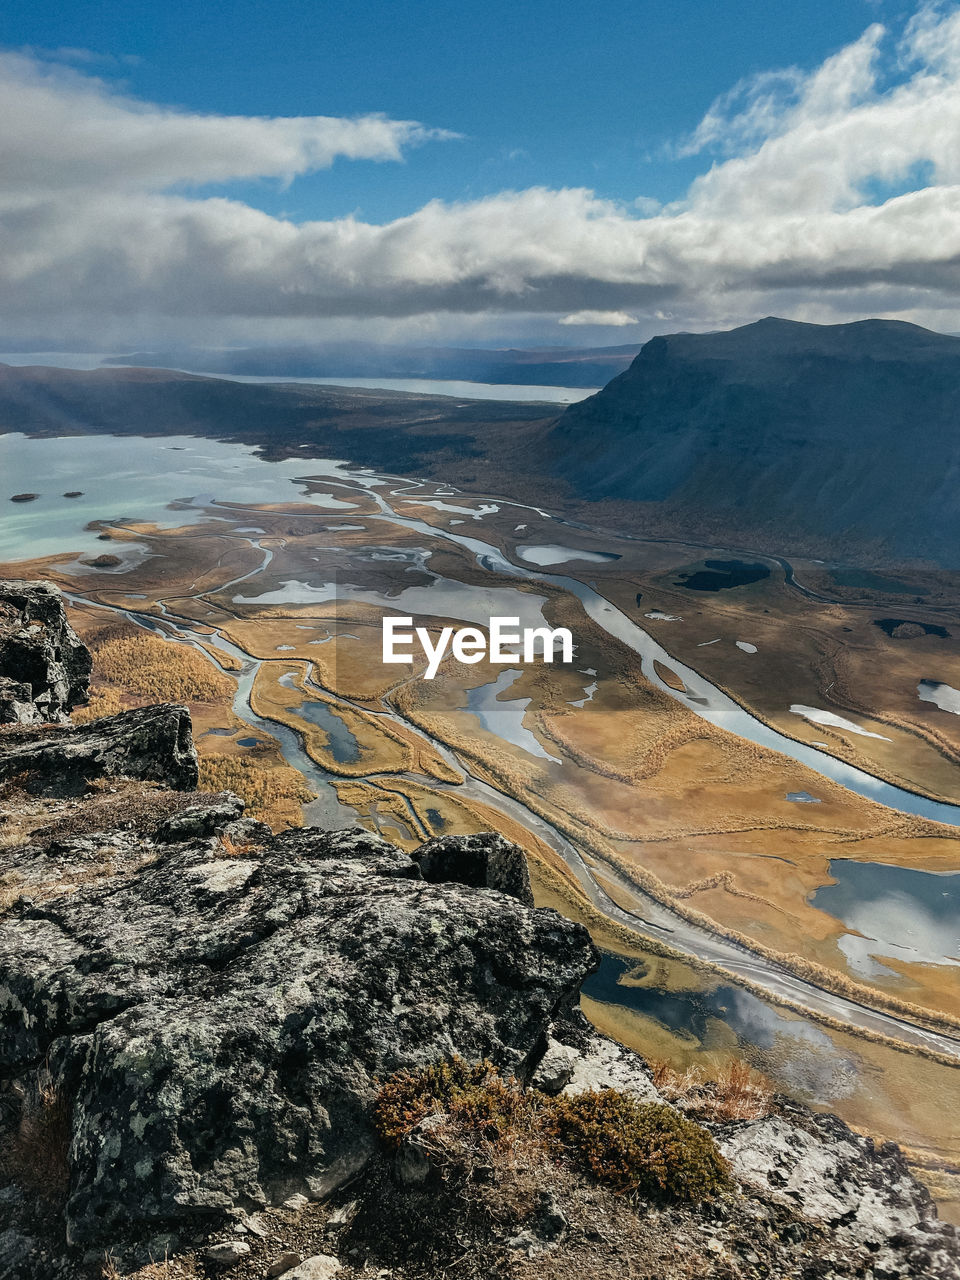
column 829, row 192
column 616, row 319
column 64, row 132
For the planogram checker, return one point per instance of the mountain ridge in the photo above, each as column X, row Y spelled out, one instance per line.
column 821, row 427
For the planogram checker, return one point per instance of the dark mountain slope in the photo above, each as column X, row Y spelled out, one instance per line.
column 817, row 429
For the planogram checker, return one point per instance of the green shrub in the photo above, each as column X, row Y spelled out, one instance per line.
column 640, row 1147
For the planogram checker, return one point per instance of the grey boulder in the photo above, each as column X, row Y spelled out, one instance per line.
column 844, row 1182
column 221, row 1023
column 482, row 861
column 154, row 744
column 44, row 666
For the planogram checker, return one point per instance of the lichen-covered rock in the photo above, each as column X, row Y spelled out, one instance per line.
column 555, row 1069
column 320, row 1267
column 577, row 1058
column 483, row 861
column 16, row 703
column 220, row 1022
column 154, row 744
column 201, row 820
column 44, row 666
column 865, row 1194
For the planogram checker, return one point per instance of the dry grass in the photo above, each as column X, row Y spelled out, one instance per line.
column 12, row 889
column 133, row 668
column 262, row 788
column 230, row 848
column 737, row 1093
column 103, row 701
column 37, row 1153
column 165, row 1270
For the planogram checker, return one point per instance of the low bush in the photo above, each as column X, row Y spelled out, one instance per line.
column 648, row 1149
column 642, row 1147
column 736, row 1092
column 473, row 1098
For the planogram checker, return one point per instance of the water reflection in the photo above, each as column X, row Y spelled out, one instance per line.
column 553, row 553
column 910, row 915
column 799, row 1055
column 341, row 743
column 505, row 718
column 721, row 575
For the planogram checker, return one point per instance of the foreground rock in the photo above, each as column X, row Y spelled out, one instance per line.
column 154, row 744
column 220, row 1022
column 864, row 1194
column 44, row 666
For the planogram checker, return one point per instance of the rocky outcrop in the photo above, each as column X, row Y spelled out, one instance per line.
column 220, row 1022
column 154, row 744
column 206, row 819
column 44, row 666
column 482, row 861
column 863, row 1194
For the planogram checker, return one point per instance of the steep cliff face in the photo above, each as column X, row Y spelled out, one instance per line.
column 818, row 428
column 196, row 1016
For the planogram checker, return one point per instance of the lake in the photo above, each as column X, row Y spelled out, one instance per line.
column 461, row 389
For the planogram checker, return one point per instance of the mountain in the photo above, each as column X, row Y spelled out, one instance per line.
column 539, row 366
column 832, row 430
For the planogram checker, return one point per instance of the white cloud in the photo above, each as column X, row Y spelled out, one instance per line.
column 64, row 131
column 614, row 318
column 795, row 214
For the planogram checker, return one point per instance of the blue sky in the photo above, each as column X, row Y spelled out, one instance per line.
column 245, row 171
column 553, row 93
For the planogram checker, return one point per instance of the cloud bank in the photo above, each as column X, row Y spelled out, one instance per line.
column 829, row 193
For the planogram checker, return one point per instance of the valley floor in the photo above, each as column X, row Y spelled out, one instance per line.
column 775, row 766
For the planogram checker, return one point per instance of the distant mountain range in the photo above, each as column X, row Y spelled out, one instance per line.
column 850, row 428
column 541, row 366
column 818, row 439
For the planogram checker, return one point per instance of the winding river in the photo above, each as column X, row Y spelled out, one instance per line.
column 644, row 913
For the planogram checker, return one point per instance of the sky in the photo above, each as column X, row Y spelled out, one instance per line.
column 544, row 172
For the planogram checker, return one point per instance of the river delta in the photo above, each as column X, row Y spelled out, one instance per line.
column 743, row 783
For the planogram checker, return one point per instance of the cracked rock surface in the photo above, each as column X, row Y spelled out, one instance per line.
column 865, row 1194
column 153, row 744
column 44, row 666
column 220, row 1022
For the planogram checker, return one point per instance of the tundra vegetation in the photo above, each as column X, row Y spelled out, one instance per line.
column 637, row 1148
